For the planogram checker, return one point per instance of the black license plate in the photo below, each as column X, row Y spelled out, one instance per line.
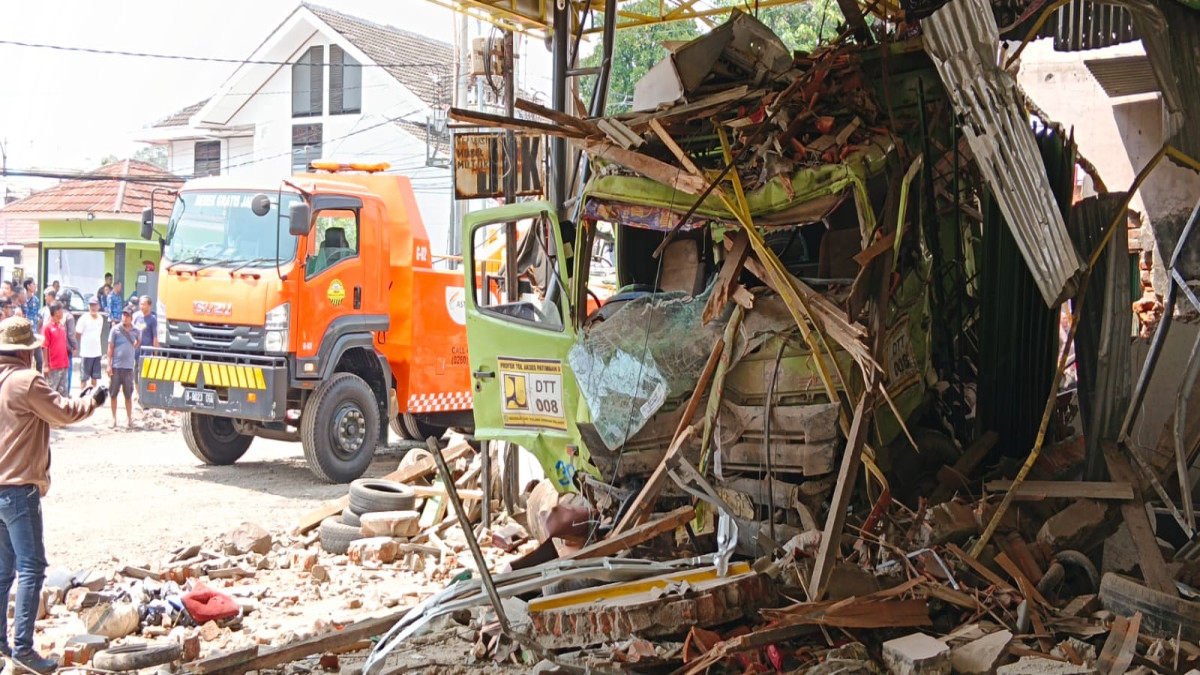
column 202, row 398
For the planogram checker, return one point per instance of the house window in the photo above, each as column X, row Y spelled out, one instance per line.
column 306, row 146
column 208, row 159
column 308, row 83
column 345, row 82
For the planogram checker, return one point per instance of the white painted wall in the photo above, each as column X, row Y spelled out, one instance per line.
column 369, row 136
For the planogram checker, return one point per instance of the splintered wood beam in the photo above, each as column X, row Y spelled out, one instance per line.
column 1032, row 490
column 583, row 126
column 1150, row 558
column 727, row 278
column 514, row 123
column 831, row 536
column 651, row 168
column 634, row 536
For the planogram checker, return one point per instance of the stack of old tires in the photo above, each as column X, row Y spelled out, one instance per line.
column 367, row 495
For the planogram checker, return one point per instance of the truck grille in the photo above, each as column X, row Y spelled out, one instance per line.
column 222, row 336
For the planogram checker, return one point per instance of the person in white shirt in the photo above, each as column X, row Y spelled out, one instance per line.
column 88, row 329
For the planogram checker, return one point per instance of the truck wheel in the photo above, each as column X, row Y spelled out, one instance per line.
column 213, row 440
column 417, row 430
column 397, row 425
column 339, row 429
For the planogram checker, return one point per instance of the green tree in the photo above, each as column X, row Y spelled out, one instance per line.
column 801, row 26
column 153, row 154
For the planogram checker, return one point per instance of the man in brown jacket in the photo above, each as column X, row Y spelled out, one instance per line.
column 28, row 408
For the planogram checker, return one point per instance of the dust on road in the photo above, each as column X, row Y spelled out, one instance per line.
column 130, row 496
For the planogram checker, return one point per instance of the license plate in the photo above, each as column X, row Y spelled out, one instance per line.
column 202, row 398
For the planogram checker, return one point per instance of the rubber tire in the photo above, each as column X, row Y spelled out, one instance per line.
column 396, row 424
column 336, row 535
column 136, row 657
column 316, row 427
column 416, row 430
column 372, row 495
column 349, row 517
column 1163, row 615
column 213, row 446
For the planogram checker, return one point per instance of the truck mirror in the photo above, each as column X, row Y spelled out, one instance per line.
column 260, row 205
column 147, row 223
column 299, row 219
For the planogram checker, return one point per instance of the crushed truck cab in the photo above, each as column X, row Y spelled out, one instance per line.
column 310, row 310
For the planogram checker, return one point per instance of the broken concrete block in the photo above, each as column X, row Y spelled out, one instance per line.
column 304, row 559
column 210, row 631
column 79, row 598
column 390, row 523
column 80, row 649
column 916, row 654
column 191, row 648
column 1036, row 665
column 850, row 659
column 248, row 537
column 980, row 657
column 373, row 550
column 950, row 522
column 1078, row 526
column 1120, row 553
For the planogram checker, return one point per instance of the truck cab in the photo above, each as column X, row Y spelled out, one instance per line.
column 306, row 309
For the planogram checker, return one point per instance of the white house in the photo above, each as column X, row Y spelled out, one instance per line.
column 326, row 85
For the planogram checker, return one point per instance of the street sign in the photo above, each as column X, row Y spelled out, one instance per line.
column 480, row 164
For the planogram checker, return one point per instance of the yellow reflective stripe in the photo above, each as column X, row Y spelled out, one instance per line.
column 219, row 372
column 258, row 379
column 241, row 376
column 146, row 366
column 176, row 366
column 226, row 380
column 208, row 376
column 159, row 366
column 191, row 376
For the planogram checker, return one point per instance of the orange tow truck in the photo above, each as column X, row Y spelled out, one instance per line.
column 305, row 310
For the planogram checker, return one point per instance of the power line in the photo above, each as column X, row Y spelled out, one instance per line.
column 33, row 173
column 206, row 59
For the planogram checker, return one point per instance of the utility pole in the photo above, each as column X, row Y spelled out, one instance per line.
column 510, row 170
column 462, row 69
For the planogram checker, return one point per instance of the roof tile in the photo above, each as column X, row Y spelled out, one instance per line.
column 113, row 188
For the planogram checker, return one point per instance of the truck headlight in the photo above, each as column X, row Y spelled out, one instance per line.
column 160, row 310
column 277, row 320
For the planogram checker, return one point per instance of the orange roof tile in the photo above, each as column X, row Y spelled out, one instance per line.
column 119, row 187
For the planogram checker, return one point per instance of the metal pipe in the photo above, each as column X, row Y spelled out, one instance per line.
column 558, row 146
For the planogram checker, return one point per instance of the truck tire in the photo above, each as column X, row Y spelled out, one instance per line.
column 1163, row 615
column 397, row 425
column 417, row 430
column 213, row 440
column 339, row 429
column 349, row 517
column 336, row 535
column 372, row 495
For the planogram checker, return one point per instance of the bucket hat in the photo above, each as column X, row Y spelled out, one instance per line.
column 16, row 335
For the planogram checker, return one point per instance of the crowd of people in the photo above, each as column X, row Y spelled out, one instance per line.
column 105, row 340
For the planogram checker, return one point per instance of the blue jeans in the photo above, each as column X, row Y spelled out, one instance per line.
column 21, row 552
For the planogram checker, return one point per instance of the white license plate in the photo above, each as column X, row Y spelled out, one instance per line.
column 202, row 398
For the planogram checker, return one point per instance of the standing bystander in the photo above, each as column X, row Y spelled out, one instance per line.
column 116, row 303
column 87, row 331
column 64, row 299
column 28, row 408
column 58, row 351
column 122, row 357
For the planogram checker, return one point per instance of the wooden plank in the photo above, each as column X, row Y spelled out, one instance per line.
column 1032, row 490
column 865, row 256
column 1120, row 647
column 418, row 469
column 643, row 505
column 318, row 644
column 831, row 537
column 514, row 123
column 1150, row 559
column 651, row 168
column 1025, row 586
column 637, row 535
column 438, row 490
column 583, row 126
column 731, row 269
column 979, row 568
column 965, row 466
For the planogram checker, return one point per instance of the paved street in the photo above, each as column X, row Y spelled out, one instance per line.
column 133, row 495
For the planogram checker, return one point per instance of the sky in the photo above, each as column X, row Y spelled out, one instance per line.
column 67, row 110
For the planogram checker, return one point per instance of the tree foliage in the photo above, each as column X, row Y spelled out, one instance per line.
column 801, row 26
column 153, row 154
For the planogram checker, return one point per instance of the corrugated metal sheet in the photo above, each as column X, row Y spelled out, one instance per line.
column 962, row 40
column 1175, row 56
column 1102, row 344
column 1082, row 25
column 1123, row 75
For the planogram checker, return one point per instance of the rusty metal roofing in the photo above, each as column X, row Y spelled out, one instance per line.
column 113, row 188
column 962, row 39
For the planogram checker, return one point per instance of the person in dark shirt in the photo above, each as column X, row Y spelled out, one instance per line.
column 116, row 303
column 149, row 337
column 122, row 361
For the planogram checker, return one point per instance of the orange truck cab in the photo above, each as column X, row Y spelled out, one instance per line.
column 307, row 309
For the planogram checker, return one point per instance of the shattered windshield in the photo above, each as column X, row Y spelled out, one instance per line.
column 220, row 228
